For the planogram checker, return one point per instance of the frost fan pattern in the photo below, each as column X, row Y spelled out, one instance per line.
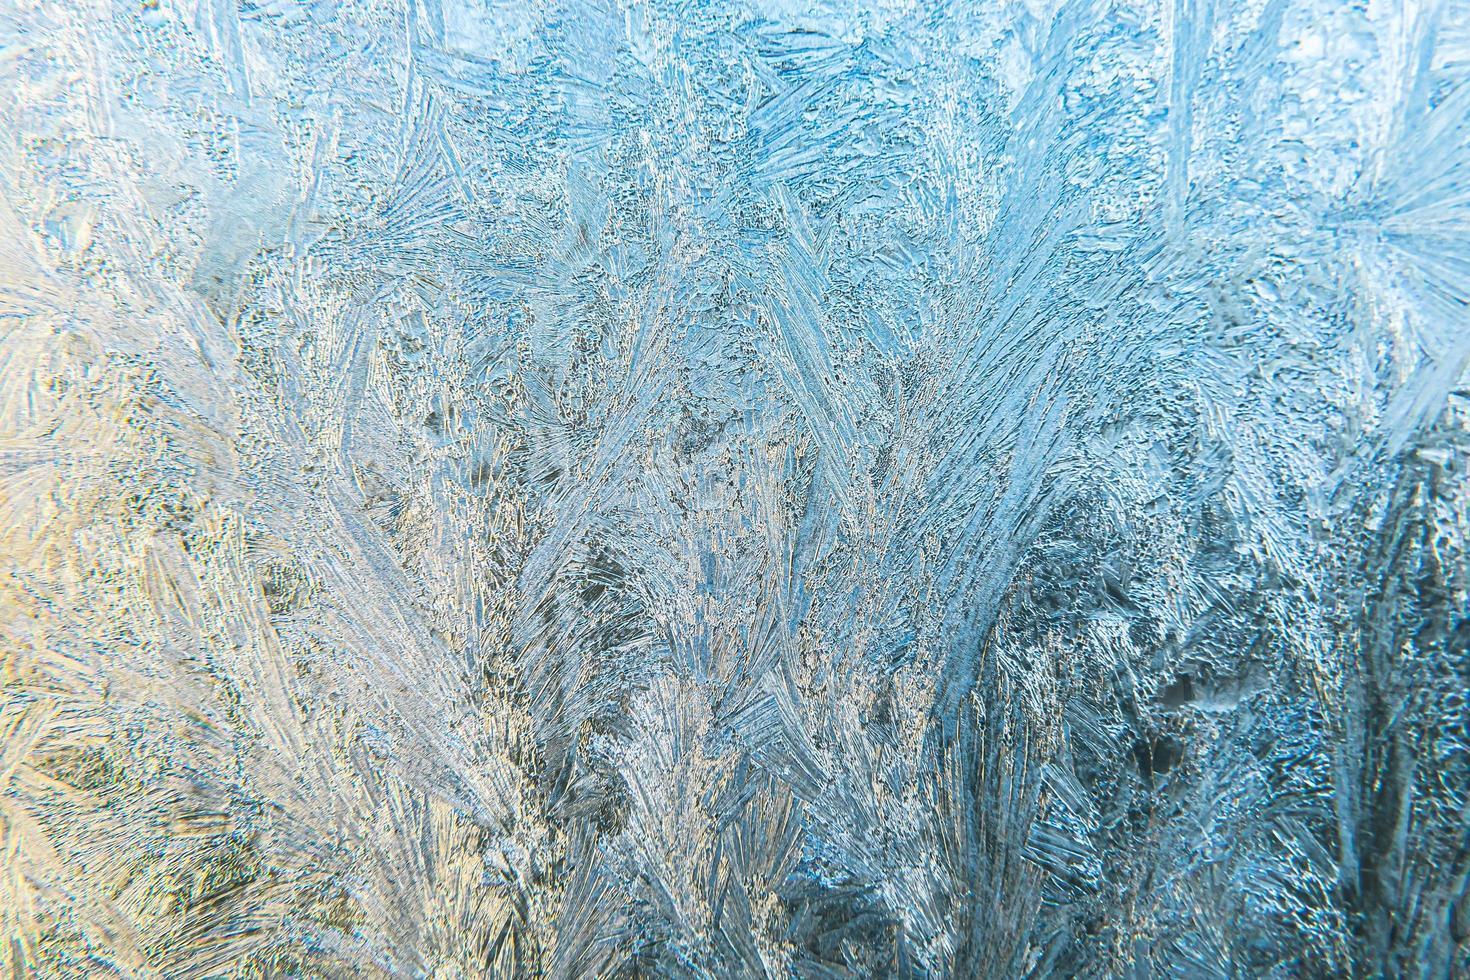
column 734, row 490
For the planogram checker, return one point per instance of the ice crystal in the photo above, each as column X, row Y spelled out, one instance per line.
column 734, row 489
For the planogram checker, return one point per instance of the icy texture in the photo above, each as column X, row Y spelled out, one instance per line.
column 718, row 490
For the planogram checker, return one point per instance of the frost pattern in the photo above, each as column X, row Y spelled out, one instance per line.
column 491, row 488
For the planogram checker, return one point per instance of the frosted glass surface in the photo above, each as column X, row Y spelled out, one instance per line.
column 734, row 489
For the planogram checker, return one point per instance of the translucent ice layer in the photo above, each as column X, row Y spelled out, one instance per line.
column 733, row 489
